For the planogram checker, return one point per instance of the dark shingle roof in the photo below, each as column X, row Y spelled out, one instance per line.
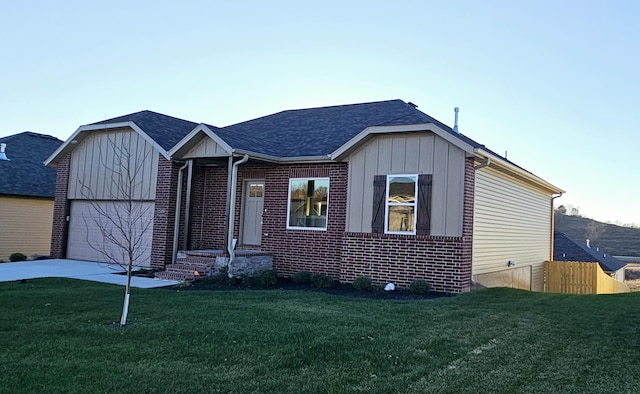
column 163, row 129
column 24, row 174
column 320, row 131
column 566, row 249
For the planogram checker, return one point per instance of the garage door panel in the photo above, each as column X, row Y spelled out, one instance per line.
column 95, row 235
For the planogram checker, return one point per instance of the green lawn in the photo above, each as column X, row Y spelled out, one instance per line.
column 58, row 335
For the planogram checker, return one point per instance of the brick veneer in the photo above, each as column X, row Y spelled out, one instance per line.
column 164, row 214
column 60, row 210
column 208, row 200
column 297, row 250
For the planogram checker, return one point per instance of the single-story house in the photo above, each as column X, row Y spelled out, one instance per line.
column 378, row 189
column 567, row 249
column 26, row 194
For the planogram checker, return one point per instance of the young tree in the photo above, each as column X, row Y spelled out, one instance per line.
column 123, row 219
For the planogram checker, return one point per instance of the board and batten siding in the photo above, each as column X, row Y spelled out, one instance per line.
column 95, row 163
column 206, row 148
column 511, row 222
column 415, row 153
column 25, row 226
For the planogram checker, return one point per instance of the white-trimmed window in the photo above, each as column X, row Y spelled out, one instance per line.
column 400, row 210
column 308, row 203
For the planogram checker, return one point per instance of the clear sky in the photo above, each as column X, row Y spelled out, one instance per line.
column 554, row 83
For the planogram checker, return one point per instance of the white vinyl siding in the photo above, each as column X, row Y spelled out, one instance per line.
column 511, row 223
column 95, row 165
column 410, row 153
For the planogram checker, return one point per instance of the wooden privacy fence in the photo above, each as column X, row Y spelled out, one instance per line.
column 580, row 278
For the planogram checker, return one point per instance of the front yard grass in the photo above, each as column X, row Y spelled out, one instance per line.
column 59, row 335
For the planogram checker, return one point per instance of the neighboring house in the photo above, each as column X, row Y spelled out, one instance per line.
column 377, row 189
column 566, row 249
column 26, row 194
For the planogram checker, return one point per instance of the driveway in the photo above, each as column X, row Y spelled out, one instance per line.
column 75, row 269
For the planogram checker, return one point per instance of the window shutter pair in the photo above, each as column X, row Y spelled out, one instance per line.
column 423, row 222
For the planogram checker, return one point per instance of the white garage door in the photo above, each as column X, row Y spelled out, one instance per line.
column 90, row 221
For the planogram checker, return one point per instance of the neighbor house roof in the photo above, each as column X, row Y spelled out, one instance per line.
column 162, row 131
column 566, row 249
column 24, row 174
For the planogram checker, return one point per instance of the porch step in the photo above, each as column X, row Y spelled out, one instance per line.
column 181, row 276
column 186, row 270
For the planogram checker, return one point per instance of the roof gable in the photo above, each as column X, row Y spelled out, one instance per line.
column 162, row 131
column 24, row 174
column 566, row 249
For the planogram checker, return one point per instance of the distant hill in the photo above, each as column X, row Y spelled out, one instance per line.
column 615, row 240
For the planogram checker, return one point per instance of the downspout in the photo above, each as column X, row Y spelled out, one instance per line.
column 553, row 223
column 232, row 208
column 485, row 163
column 226, row 206
column 176, row 220
column 187, row 206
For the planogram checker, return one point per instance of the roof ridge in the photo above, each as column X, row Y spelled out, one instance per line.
column 31, row 134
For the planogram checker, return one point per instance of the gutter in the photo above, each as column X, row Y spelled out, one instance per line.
column 232, row 208
column 517, row 171
column 553, row 224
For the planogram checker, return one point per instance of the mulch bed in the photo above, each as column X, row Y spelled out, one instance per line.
column 340, row 289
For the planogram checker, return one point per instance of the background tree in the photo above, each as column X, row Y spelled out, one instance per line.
column 594, row 230
column 122, row 220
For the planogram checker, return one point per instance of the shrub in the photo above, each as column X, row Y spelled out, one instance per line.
column 420, row 286
column 302, row 277
column 322, row 281
column 222, row 277
column 262, row 279
column 362, row 283
column 17, row 257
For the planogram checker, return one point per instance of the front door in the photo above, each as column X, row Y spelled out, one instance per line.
column 253, row 206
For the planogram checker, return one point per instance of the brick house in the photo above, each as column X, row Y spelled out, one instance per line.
column 378, row 189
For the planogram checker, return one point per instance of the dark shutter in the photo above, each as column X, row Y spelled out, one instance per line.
column 379, row 194
column 423, row 226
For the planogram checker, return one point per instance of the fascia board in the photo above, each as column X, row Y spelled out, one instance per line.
column 199, row 129
column 500, row 163
column 79, row 136
column 369, row 131
column 55, row 156
column 276, row 159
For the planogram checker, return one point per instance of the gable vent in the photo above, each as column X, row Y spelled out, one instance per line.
column 3, row 155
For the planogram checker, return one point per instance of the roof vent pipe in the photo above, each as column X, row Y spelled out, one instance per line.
column 455, row 121
column 3, row 156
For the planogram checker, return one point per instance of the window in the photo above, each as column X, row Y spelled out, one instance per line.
column 400, row 210
column 402, row 204
column 256, row 189
column 308, row 203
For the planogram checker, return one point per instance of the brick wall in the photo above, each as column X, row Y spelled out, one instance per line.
column 208, row 201
column 164, row 214
column 60, row 210
column 297, row 250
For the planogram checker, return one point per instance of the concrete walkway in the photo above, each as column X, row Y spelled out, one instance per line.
column 75, row 269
